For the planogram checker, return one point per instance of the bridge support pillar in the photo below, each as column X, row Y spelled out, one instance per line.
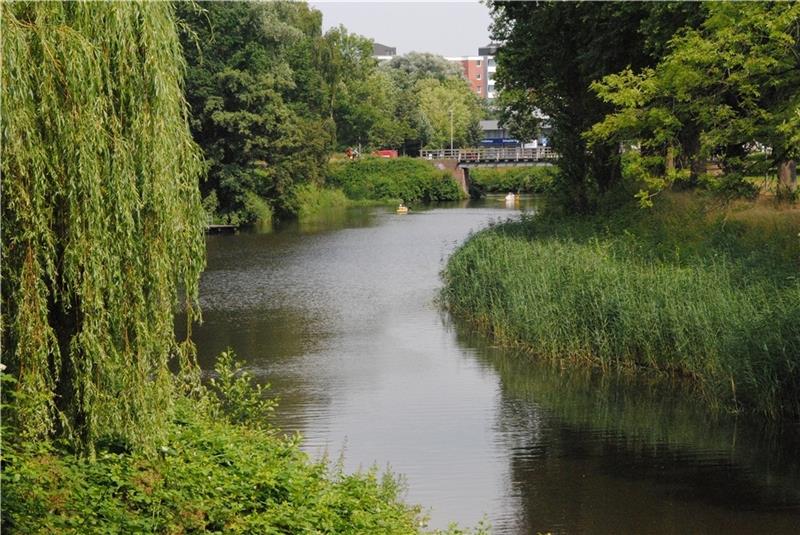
column 462, row 176
column 459, row 174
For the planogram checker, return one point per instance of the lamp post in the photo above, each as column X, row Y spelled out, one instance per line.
column 451, row 131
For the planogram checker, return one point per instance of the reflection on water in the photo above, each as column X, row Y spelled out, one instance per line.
column 594, row 452
column 339, row 315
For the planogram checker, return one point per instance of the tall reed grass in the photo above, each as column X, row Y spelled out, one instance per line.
column 565, row 294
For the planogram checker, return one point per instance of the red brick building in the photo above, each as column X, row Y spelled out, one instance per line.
column 474, row 71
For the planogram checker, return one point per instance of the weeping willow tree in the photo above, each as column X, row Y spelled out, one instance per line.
column 101, row 218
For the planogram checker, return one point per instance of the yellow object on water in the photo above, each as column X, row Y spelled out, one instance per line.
column 402, row 209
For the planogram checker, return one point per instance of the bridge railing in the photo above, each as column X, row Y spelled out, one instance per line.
column 488, row 155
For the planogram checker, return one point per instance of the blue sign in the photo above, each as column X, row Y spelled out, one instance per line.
column 500, row 141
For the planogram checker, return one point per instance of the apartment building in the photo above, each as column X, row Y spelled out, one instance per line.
column 474, row 72
column 487, row 54
column 479, row 70
column 383, row 52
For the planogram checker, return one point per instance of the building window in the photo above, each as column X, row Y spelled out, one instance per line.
column 478, row 76
column 477, row 63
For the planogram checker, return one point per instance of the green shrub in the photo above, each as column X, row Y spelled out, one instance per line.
column 517, row 179
column 408, row 179
column 220, row 469
column 311, row 200
column 718, row 311
column 236, row 396
column 257, row 209
column 209, row 476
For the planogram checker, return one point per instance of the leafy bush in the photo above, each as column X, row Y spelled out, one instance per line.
column 220, row 469
column 517, row 179
column 209, row 476
column 407, row 179
column 311, row 200
column 236, row 396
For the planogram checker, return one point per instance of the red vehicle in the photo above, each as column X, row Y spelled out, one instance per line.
column 385, row 153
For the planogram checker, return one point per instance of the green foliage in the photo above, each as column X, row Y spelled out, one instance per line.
column 258, row 100
column 101, row 216
column 361, row 98
column 553, row 51
column 238, row 398
column 427, row 87
column 722, row 89
column 437, row 101
column 209, row 477
column 256, row 209
column 518, row 113
column 313, row 201
column 538, row 179
column 406, row 179
column 408, row 69
column 674, row 291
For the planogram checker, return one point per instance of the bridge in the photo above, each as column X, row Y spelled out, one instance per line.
column 493, row 156
column 459, row 161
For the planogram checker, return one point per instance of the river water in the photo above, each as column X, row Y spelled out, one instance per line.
column 340, row 316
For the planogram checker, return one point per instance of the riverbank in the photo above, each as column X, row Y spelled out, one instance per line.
column 220, row 469
column 690, row 289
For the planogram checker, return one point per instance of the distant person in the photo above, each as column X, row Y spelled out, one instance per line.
column 349, row 153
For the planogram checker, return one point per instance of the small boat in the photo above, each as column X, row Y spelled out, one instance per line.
column 511, row 197
column 402, row 209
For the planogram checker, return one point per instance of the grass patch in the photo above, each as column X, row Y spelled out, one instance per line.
column 408, row 179
column 687, row 290
column 537, row 179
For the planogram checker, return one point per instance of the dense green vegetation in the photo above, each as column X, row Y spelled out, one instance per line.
column 102, row 242
column 641, row 95
column 313, row 200
column 517, row 179
column 398, row 179
column 219, row 468
column 685, row 291
column 259, row 110
column 101, row 217
column 272, row 97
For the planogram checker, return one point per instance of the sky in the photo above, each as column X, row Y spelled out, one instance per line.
column 445, row 28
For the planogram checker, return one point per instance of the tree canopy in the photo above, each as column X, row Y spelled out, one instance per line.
column 723, row 89
column 257, row 98
column 550, row 54
column 101, row 217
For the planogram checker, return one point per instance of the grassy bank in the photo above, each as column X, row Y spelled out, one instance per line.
column 686, row 290
column 220, row 470
column 407, row 179
column 517, row 179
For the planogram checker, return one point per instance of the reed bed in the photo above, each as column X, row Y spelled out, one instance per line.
column 602, row 301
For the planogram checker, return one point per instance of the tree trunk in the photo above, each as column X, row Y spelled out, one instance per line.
column 669, row 160
column 787, row 176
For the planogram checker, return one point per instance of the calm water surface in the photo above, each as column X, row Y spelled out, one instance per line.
column 340, row 316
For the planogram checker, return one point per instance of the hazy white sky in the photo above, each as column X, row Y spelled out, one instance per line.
column 446, row 28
